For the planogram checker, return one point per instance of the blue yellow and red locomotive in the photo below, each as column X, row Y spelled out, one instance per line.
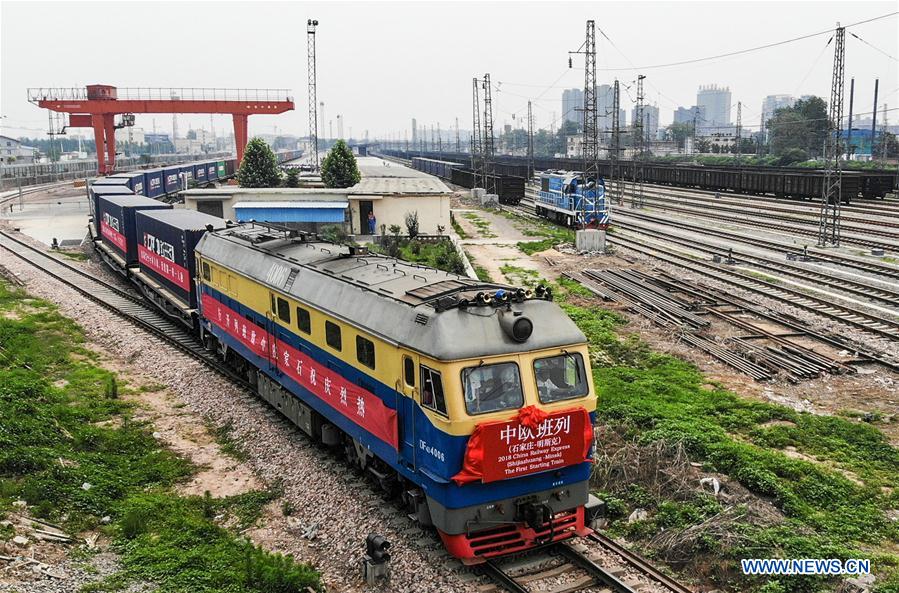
column 472, row 401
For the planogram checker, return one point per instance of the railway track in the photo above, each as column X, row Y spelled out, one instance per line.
column 570, row 568
column 786, row 214
column 124, row 303
column 742, row 218
column 883, row 296
column 879, row 208
column 526, row 209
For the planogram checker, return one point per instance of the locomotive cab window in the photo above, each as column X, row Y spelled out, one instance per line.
column 432, row 390
column 491, row 388
column 283, row 310
column 332, row 335
column 560, row 377
column 207, row 275
column 303, row 320
column 365, row 352
column 409, row 371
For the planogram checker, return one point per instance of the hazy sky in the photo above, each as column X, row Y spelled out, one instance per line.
column 382, row 63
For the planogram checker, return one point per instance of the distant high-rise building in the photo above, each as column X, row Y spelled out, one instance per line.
column 604, row 100
column 716, row 102
column 684, row 115
column 772, row 103
column 650, row 120
column 572, row 105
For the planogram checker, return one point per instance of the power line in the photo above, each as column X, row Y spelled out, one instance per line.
column 874, row 47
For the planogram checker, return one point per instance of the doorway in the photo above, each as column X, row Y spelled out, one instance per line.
column 365, row 206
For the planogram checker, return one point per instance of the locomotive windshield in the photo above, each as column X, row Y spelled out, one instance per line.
column 560, row 377
column 491, row 388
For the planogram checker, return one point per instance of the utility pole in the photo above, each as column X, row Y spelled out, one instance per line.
column 311, row 24
column 439, row 139
column 458, row 144
column 874, row 117
column 693, row 148
column 849, row 132
column 739, row 131
column 615, row 148
column 591, row 144
column 489, row 177
column 883, row 137
column 530, row 142
column 475, row 133
column 829, row 222
column 637, row 159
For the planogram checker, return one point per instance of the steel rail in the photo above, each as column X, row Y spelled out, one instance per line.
column 882, row 295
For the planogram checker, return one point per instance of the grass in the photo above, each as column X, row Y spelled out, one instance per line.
column 75, row 453
column 457, row 227
column 441, row 255
column 482, row 225
column 521, row 276
column 550, row 234
column 482, row 273
column 75, row 255
column 833, row 506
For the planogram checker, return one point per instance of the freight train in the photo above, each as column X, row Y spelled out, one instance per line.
column 783, row 182
column 509, row 188
column 473, row 402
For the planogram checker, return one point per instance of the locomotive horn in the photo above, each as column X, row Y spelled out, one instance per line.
column 516, row 325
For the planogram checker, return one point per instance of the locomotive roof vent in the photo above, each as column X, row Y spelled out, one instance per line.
column 515, row 324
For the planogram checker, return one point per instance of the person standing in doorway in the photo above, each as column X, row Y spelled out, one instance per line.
column 372, row 223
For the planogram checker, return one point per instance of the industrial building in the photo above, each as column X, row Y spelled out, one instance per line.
column 388, row 192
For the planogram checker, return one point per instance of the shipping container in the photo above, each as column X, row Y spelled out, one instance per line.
column 187, row 173
column 200, row 173
column 97, row 189
column 211, row 171
column 220, row 172
column 231, row 167
column 117, row 222
column 134, row 180
column 166, row 241
column 171, row 179
column 154, row 183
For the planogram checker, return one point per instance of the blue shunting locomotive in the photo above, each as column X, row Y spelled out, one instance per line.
column 566, row 198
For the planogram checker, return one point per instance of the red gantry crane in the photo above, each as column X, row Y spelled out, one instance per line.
column 97, row 105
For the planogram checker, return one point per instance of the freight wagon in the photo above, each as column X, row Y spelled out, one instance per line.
column 509, row 188
column 166, row 265
column 785, row 182
column 118, row 229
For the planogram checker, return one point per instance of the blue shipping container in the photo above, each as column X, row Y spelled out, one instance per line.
column 200, row 172
column 211, row 173
column 187, row 171
column 171, row 181
column 135, row 181
column 153, row 183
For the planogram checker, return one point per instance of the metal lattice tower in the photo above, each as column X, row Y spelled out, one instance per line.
column 475, row 132
column 591, row 142
column 310, row 68
column 615, row 148
column 530, row 142
column 829, row 222
column 489, row 177
column 458, row 143
column 739, row 131
column 639, row 147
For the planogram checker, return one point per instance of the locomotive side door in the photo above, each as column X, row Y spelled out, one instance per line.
column 271, row 334
column 409, row 387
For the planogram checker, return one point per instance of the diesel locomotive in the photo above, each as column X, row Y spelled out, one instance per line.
column 472, row 401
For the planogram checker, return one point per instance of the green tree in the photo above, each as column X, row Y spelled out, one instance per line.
column 339, row 169
column 259, row 167
column 679, row 132
column 892, row 146
column 802, row 126
column 293, row 178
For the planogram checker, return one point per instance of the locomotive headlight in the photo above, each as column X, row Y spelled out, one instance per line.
column 516, row 325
